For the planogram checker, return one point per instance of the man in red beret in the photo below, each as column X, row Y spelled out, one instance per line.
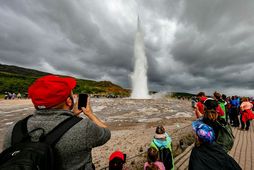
column 53, row 100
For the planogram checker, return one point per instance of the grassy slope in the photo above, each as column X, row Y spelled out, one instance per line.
column 17, row 79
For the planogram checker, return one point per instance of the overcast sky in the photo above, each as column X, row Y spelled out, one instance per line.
column 191, row 45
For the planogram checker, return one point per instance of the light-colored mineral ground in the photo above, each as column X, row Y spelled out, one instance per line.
column 132, row 123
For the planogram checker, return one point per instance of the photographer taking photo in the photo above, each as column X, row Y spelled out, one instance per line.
column 53, row 100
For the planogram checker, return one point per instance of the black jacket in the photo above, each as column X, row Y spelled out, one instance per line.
column 211, row 157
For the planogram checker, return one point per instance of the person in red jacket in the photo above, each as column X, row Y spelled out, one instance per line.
column 246, row 113
column 199, row 108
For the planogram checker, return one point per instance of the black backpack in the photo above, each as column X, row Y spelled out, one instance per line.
column 165, row 156
column 27, row 155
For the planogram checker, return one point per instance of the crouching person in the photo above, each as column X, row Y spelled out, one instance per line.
column 117, row 160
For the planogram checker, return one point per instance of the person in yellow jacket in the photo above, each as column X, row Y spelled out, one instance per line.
column 163, row 143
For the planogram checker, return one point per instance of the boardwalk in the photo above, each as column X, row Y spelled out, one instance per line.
column 242, row 151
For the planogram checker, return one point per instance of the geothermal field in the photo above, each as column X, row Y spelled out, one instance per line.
column 132, row 123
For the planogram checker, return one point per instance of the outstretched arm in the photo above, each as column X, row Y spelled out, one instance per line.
column 89, row 113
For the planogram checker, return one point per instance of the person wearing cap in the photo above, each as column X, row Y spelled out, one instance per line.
column 161, row 141
column 199, row 107
column 207, row 154
column 53, row 100
column 117, row 160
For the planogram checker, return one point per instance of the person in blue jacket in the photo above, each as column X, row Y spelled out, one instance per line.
column 235, row 110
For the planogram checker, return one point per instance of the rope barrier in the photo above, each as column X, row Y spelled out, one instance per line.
column 132, row 157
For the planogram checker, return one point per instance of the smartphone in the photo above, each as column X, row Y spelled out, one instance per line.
column 124, row 157
column 82, row 100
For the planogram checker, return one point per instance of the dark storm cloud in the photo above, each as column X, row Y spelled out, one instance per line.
column 71, row 36
column 215, row 43
column 191, row 45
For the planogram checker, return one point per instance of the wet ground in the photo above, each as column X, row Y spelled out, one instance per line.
column 132, row 123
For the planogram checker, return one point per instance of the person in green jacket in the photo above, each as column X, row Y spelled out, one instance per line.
column 163, row 143
column 221, row 102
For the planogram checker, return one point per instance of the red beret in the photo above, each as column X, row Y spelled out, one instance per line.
column 50, row 90
column 117, row 154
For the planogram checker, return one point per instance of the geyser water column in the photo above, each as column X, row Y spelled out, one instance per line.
column 139, row 76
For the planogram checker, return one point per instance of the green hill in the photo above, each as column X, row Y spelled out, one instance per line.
column 181, row 95
column 16, row 79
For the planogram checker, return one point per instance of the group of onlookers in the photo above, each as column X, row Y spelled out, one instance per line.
column 240, row 106
column 54, row 104
column 55, row 108
column 213, row 133
column 215, row 116
column 235, row 110
column 9, row 95
column 159, row 153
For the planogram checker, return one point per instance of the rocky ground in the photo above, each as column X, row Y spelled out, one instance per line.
column 132, row 123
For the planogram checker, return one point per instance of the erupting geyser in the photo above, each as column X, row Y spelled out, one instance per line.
column 139, row 76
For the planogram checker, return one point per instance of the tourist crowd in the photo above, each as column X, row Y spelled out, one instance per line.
column 213, row 130
column 234, row 110
column 9, row 96
column 53, row 100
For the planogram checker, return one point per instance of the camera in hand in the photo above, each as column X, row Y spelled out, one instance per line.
column 82, row 100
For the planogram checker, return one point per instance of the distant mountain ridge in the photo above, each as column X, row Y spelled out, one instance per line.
column 16, row 79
